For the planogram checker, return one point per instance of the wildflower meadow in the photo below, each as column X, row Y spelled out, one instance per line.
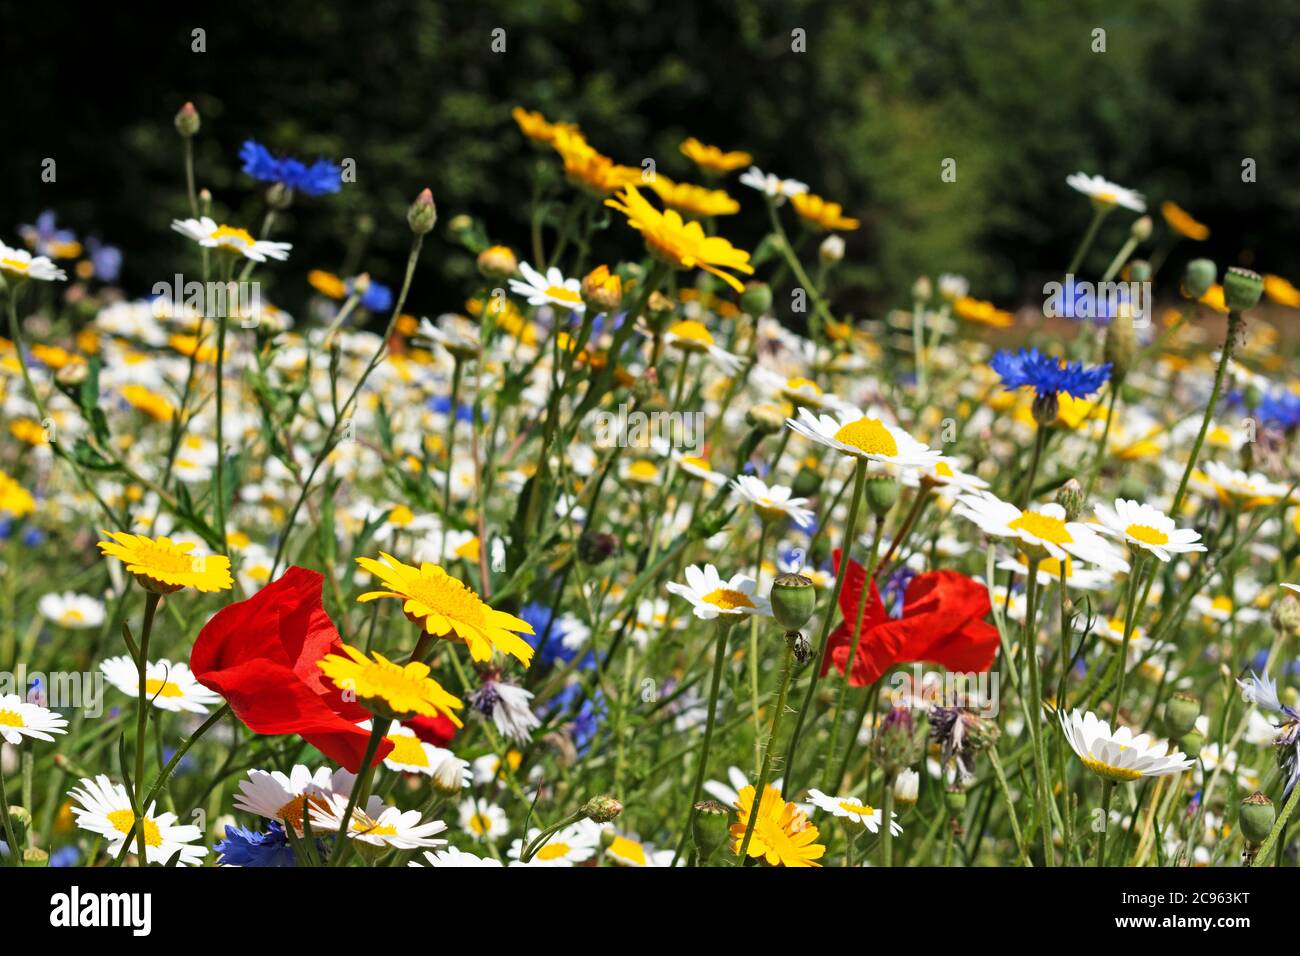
column 642, row 549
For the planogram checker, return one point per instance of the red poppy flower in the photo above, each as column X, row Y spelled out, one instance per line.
column 261, row 655
column 437, row 730
column 942, row 623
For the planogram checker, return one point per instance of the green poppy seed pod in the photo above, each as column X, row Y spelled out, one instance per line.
column 1121, row 346
column 1181, row 712
column 1241, row 289
column 279, row 197
column 793, row 600
column 1198, row 277
column 1070, row 497
column 1141, row 228
column 954, row 799
column 709, row 827
column 423, row 214
column 1191, row 743
column 756, row 300
column 1286, row 615
column 1139, row 270
column 1256, row 818
column 35, row 856
column 602, row 809
column 187, row 121
column 807, row 483
column 1046, row 407
column 881, row 494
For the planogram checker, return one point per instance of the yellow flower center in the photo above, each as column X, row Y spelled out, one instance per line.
column 14, row 265
column 553, row 851
column 122, row 821
column 160, row 688
column 1109, row 771
column 1108, row 198
column 408, row 750
column 864, row 809
column 943, row 470
column 72, row 616
column 1146, row 534
column 448, row 597
column 11, row 718
column 1041, row 526
column 1222, row 603
column 480, row 823
column 643, row 470
column 695, row 462
column 728, row 599
column 159, row 557
column 625, row 849
column 563, row 294
column 291, row 813
column 691, row 334
column 232, row 238
column 869, row 436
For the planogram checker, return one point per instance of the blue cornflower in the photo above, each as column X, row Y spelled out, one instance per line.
column 896, row 590
column 559, row 642
column 249, row 848
column 442, row 405
column 377, row 298
column 586, row 722
column 1281, row 409
column 65, row 856
column 46, row 239
column 106, row 260
column 317, row 179
column 1047, row 375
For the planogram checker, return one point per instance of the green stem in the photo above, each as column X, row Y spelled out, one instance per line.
column 1234, row 323
column 1107, row 786
column 1099, row 213
column 341, row 842
column 787, row 671
column 719, row 659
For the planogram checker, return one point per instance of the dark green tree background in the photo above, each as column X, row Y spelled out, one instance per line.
column 883, row 94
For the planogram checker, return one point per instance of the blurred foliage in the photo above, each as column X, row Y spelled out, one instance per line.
column 884, row 93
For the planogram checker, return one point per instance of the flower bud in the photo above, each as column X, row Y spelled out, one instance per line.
column 1198, row 277
column 807, row 482
column 497, row 263
column 659, row 307
column 1191, row 743
column 1070, row 497
column 602, row 290
column 448, row 776
column 35, row 856
column 793, row 599
column 831, row 250
column 1139, row 270
column 596, row 547
column 1286, row 615
column 1241, row 289
column 756, row 299
column 881, row 493
column 1181, row 712
column 709, row 827
column 896, row 743
column 770, row 418
column 279, row 196
column 1256, row 818
column 602, row 809
column 1121, row 345
column 1141, row 228
column 907, row 786
column 708, row 524
column 423, row 214
column 954, row 799
column 922, row 289
column 187, row 121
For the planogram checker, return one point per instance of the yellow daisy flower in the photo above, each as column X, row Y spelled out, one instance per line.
column 15, row 500
column 981, row 312
column 444, row 606
column 403, row 689
column 682, row 245
column 327, row 284
column 782, row 834
column 1181, row 222
column 694, row 201
column 149, row 402
column 1281, row 291
column 712, row 159
column 536, row 127
column 820, row 214
column 163, row 565
column 590, row 170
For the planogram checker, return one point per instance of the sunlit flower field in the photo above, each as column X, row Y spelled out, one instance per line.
column 648, row 562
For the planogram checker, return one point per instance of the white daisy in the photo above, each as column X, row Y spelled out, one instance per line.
column 945, row 474
column 21, row 263
column 1049, row 572
column 71, row 610
column 1145, row 527
column 276, row 796
column 851, row 809
column 207, row 233
column 550, row 289
column 1249, row 489
column 689, row 335
column 772, row 186
column 1105, row 193
column 389, row 826
column 454, row 857
column 1119, row 756
column 772, row 501
column 1044, row 528
column 711, row 596
column 169, row 686
column 654, row 618
column 864, row 437
column 698, row 467
column 453, row 332
column 19, row 719
column 573, row 844
column 104, row 808
column 482, row 820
